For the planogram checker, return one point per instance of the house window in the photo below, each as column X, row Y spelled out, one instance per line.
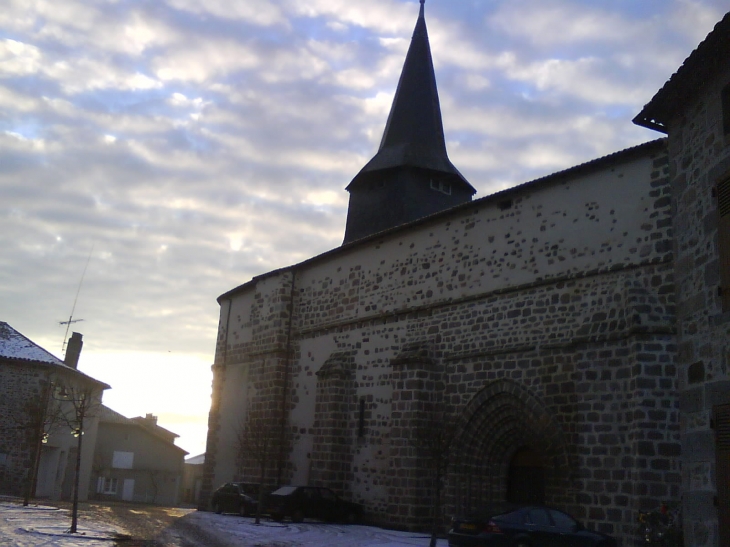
column 123, row 460
column 441, row 186
column 3, row 458
column 723, row 210
column 106, row 485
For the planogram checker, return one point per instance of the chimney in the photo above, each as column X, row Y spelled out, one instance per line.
column 151, row 419
column 73, row 350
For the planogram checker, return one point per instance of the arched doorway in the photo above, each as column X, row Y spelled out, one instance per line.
column 508, row 448
column 526, row 477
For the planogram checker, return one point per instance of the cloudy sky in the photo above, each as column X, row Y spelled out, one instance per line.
column 184, row 146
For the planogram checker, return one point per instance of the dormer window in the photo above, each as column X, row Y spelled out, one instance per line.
column 441, row 186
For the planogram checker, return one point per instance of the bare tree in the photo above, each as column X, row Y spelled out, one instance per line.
column 82, row 403
column 34, row 420
column 434, row 439
column 155, row 476
column 257, row 441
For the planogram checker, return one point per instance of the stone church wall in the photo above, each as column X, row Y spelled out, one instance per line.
column 540, row 316
column 700, row 152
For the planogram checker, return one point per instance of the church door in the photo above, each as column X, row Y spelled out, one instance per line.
column 526, row 477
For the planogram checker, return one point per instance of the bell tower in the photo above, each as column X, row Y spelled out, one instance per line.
column 411, row 175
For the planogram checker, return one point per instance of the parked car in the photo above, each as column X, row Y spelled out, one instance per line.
column 236, row 497
column 526, row 526
column 300, row 502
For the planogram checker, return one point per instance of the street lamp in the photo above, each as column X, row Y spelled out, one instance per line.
column 80, row 400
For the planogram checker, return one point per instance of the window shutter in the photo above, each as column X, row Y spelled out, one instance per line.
column 722, row 451
column 723, row 207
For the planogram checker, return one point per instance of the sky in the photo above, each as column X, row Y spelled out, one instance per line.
column 154, row 154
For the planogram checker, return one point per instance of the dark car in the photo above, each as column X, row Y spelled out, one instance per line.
column 236, row 497
column 300, row 502
column 526, row 526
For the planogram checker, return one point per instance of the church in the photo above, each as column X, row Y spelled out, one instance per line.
column 568, row 337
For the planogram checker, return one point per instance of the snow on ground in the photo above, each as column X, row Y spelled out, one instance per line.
column 41, row 525
column 243, row 531
column 46, row 526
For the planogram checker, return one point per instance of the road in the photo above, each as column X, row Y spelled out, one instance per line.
column 149, row 526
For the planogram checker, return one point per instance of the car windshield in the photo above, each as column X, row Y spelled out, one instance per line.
column 327, row 494
column 284, row 491
column 249, row 489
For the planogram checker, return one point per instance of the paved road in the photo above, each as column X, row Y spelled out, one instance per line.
column 144, row 526
column 150, row 526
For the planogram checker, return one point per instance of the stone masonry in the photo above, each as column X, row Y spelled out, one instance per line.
column 699, row 147
column 540, row 317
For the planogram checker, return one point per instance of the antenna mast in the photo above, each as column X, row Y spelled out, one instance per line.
column 73, row 308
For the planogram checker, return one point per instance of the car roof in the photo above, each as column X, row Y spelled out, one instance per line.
column 498, row 509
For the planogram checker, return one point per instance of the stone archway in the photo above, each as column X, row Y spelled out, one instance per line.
column 506, row 426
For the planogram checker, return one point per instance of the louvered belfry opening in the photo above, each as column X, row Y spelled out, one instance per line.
column 722, row 451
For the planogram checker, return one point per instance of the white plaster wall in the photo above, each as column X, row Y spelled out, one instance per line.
column 313, row 354
column 234, row 403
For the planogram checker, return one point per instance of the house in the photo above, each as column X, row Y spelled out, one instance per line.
column 552, row 333
column 44, row 404
column 136, row 460
column 193, row 479
column 693, row 109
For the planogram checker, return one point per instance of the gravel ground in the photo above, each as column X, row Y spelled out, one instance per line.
column 148, row 526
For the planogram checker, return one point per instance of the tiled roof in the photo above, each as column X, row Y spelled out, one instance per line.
column 196, row 460
column 107, row 415
column 698, row 68
column 16, row 347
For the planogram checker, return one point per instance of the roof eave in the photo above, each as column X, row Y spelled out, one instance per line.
column 707, row 58
column 650, row 122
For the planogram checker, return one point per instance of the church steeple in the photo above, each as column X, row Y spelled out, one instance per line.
column 411, row 175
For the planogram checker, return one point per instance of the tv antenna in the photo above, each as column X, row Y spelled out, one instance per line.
column 71, row 319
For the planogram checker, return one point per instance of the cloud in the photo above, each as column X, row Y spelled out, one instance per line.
column 18, row 59
column 194, row 145
column 258, row 12
column 380, row 16
column 563, row 23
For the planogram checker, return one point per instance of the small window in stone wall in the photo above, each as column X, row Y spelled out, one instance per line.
column 723, row 209
column 726, row 109
column 361, row 421
column 696, row 373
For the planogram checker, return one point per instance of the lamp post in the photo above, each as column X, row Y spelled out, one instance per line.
column 81, row 401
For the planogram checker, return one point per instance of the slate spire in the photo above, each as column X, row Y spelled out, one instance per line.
column 411, row 175
column 414, row 133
